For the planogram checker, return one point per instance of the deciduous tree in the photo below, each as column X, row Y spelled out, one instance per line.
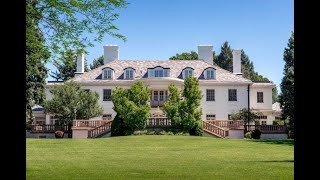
column 70, row 102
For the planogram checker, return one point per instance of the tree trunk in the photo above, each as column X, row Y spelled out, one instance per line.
column 69, row 131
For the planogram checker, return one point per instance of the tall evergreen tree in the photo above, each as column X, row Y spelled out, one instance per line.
column 97, row 62
column 66, row 66
column 287, row 83
column 36, row 56
column 86, row 69
column 247, row 67
column 224, row 59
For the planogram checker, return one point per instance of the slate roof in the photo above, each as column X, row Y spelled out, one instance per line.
column 176, row 67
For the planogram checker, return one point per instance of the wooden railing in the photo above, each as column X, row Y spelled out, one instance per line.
column 157, row 122
column 267, row 128
column 89, row 123
column 226, row 123
column 215, row 130
column 100, row 130
column 48, row 128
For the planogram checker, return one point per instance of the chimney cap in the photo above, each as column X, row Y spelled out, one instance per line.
column 201, row 45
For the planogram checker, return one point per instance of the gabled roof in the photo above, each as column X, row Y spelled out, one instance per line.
column 176, row 67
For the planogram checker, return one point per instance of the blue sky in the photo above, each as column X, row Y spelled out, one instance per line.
column 158, row 29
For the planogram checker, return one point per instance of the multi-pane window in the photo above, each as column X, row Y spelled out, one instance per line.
column 161, row 95
column 210, row 74
column 211, row 117
column 232, row 95
column 277, row 118
column 107, row 95
column 155, row 95
column 263, row 122
column 210, row 94
column 107, row 74
column 261, row 117
column 260, row 97
column 107, row 117
column 159, row 72
column 129, row 74
column 187, row 73
column 229, row 116
column 165, row 73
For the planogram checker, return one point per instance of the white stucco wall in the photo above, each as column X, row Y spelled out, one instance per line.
column 106, row 105
column 236, row 134
column 267, row 98
column 221, row 107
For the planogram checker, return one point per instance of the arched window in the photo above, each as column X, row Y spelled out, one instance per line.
column 187, row 72
column 210, row 73
column 107, row 73
column 129, row 73
column 159, row 72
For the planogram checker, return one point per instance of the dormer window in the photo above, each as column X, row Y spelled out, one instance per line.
column 210, row 73
column 187, row 72
column 129, row 73
column 107, row 73
column 158, row 72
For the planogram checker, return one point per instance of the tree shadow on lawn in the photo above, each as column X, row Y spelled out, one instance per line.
column 289, row 142
column 278, row 161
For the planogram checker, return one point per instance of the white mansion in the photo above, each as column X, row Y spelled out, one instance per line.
column 224, row 92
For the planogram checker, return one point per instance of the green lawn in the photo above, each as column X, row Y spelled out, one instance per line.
column 159, row 157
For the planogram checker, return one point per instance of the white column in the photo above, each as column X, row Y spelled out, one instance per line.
column 47, row 119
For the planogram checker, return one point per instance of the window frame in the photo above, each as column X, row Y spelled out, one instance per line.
column 210, row 97
column 187, row 72
column 210, row 117
column 260, row 98
column 106, row 72
column 232, row 96
column 106, row 97
column 129, row 73
column 104, row 117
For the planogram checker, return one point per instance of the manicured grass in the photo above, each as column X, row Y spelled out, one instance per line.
column 159, row 157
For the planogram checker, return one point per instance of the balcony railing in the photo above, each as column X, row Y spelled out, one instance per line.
column 267, row 128
column 158, row 122
column 157, row 103
column 89, row 123
column 47, row 128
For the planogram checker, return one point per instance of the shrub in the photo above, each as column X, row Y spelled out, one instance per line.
column 140, row 132
column 170, row 133
column 162, row 132
column 197, row 129
column 151, row 133
column 119, row 127
column 248, row 135
column 256, row 134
